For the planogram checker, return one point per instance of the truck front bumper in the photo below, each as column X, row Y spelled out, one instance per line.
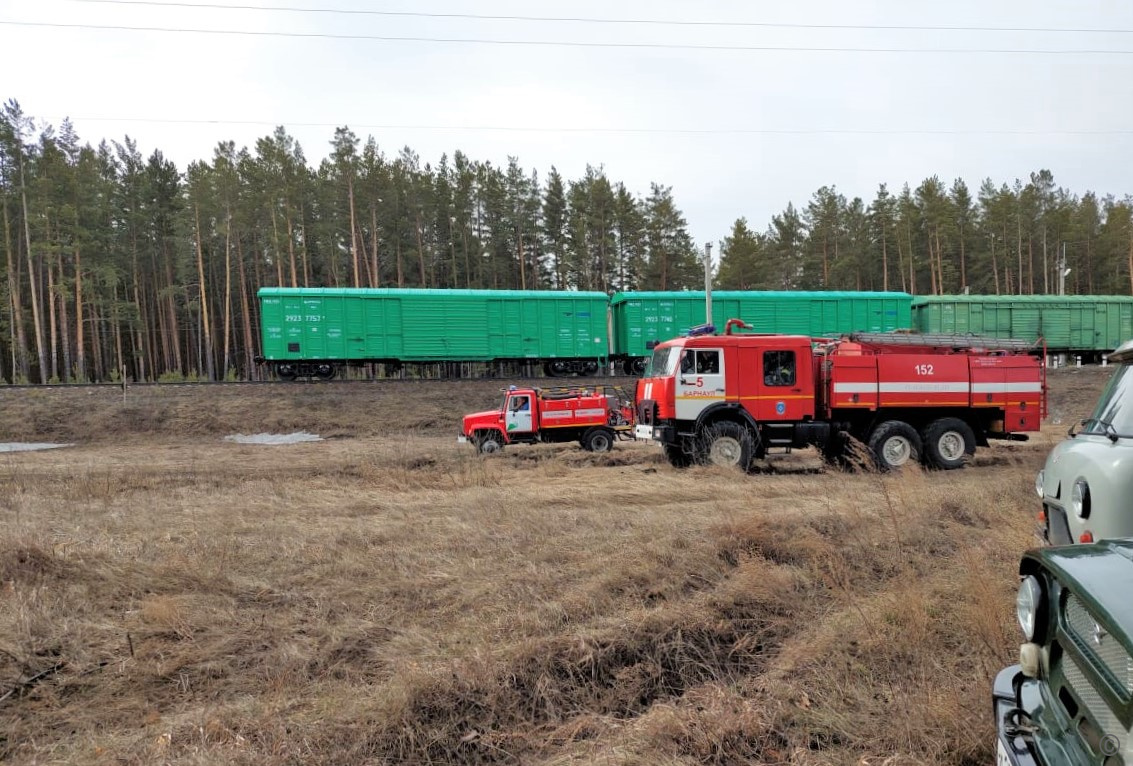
column 659, row 433
column 1011, row 748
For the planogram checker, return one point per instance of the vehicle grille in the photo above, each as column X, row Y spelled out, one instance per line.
column 1100, row 644
column 1077, row 680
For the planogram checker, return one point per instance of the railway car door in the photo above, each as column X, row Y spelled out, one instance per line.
column 518, row 417
column 700, row 381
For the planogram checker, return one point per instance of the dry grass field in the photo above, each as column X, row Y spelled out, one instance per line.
column 387, row 596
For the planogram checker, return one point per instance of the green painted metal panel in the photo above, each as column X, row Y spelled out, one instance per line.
column 431, row 325
column 640, row 317
column 1064, row 322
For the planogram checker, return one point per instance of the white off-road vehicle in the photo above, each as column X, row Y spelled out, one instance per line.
column 1087, row 483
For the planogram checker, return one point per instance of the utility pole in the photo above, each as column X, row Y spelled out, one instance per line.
column 1063, row 272
column 708, row 283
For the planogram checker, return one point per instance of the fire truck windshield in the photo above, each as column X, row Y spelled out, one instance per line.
column 663, row 362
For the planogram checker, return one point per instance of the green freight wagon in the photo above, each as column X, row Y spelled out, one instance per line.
column 642, row 318
column 312, row 332
column 1079, row 324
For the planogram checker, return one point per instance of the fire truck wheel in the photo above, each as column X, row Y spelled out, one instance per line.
column 488, row 443
column 729, row 445
column 677, row 457
column 949, row 443
column 894, row 445
column 598, row 440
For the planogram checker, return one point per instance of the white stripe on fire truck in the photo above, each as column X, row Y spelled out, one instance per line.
column 593, row 412
column 922, row 387
column 1007, row 388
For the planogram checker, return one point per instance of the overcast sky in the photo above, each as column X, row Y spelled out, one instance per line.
column 687, row 112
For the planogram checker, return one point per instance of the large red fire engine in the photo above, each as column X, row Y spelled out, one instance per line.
column 728, row 399
column 595, row 416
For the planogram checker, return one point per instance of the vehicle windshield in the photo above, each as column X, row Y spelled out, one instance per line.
column 1114, row 413
column 663, row 362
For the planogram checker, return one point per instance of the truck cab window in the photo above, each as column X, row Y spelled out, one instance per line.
column 520, row 403
column 708, row 362
column 779, row 368
column 687, row 361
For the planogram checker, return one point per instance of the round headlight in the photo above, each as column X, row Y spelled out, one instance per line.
column 1039, row 484
column 1027, row 604
column 1080, row 499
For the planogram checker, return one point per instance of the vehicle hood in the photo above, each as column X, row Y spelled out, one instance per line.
column 1101, row 574
column 473, row 419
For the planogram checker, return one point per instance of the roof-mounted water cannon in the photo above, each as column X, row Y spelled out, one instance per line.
column 736, row 323
column 701, row 329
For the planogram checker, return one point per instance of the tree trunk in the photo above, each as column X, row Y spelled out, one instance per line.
column 227, row 291
column 420, row 249
column 52, row 325
column 246, row 313
column 16, row 312
column 353, row 233
column 291, row 252
column 80, row 340
column 204, row 296
column 37, row 322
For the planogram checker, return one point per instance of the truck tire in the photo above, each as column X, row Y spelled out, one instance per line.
column 489, row 442
column 949, row 443
column 677, row 457
column 598, row 440
column 729, row 445
column 894, row 445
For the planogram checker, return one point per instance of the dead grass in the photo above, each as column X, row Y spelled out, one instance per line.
column 392, row 598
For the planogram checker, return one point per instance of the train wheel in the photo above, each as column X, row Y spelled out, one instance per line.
column 557, row 368
column 590, row 368
column 637, row 366
column 324, row 371
column 286, row 372
column 949, row 443
column 894, row 445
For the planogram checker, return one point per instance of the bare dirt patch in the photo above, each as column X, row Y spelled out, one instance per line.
column 390, row 597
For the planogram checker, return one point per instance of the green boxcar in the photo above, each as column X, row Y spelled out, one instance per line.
column 642, row 317
column 335, row 325
column 1089, row 324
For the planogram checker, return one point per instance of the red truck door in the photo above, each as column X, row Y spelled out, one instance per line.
column 784, row 381
column 517, row 417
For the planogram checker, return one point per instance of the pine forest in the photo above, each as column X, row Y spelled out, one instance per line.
column 117, row 263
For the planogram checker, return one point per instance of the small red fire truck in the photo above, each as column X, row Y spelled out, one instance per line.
column 727, row 399
column 595, row 416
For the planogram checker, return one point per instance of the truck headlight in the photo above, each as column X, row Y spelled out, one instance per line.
column 1027, row 604
column 1080, row 499
column 1039, row 483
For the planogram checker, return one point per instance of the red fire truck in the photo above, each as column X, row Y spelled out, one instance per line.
column 595, row 416
column 727, row 399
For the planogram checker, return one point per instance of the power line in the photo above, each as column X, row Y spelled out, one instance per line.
column 592, row 20
column 616, row 130
column 574, row 44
